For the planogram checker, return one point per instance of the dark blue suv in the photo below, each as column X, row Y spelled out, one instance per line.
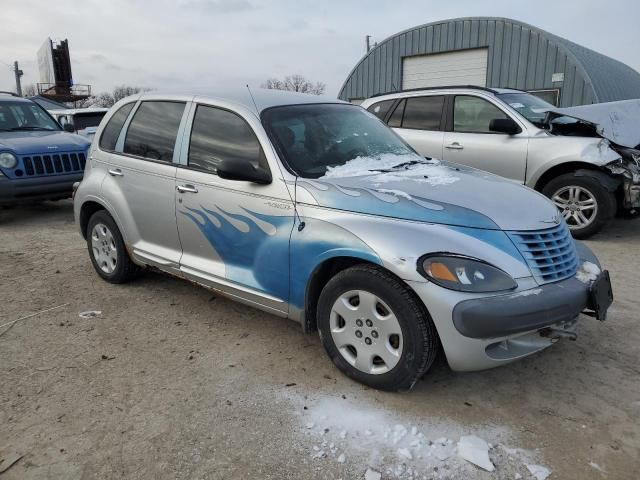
column 38, row 159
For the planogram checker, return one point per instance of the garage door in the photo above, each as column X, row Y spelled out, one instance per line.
column 465, row 67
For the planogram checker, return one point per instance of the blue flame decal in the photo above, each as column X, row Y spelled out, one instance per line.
column 259, row 250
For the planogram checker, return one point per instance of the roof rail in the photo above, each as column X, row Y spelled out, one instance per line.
column 477, row 87
column 8, row 93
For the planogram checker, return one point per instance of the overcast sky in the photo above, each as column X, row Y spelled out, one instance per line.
column 208, row 43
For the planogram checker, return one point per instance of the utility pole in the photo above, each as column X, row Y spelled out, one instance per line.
column 368, row 42
column 19, row 74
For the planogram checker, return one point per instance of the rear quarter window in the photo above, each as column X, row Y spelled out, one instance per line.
column 112, row 130
column 381, row 109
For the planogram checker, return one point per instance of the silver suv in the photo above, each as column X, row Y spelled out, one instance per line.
column 312, row 209
column 508, row 132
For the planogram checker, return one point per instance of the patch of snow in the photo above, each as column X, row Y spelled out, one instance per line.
column 526, row 293
column 405, row 453
column 597, row 467
column 538, row 471
column 588, row 272
column 397, row 193
column 342, row 458
column 475, row 450
column 90, row 314
column 425, row 171
column 372, row 475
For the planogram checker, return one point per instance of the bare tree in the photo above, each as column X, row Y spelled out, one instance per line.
column 295, row 83
column 106, row 99
column 29, row 90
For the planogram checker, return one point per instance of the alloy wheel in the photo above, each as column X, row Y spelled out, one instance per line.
column 578, row 205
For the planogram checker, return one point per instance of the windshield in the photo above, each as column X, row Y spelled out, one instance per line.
column 84, row 120
column 317, row 137
column 529, row 106
column 16, row 116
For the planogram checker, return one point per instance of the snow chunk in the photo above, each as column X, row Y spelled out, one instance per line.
column 538, row 471
column 342, row 458
column 475, row 450
column 597, row 467
column 405, row 453
column 588, row 272
column 310, row 425
column 372, row 475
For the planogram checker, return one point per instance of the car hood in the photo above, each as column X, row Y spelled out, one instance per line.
column 615, row 121
column 23, row 143
column 438, row 192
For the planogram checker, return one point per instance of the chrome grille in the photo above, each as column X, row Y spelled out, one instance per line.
column 550, row 253
column 56, row 164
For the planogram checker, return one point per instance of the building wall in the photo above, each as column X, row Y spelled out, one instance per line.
column 520, row 56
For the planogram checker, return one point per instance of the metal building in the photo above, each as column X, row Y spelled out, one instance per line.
column 491, row 52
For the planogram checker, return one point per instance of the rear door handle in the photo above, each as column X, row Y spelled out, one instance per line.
column 187, row 189
column 116, row 172
column 454, row 146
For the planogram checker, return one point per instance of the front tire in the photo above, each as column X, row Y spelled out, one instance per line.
column 583, row 202
column 375, row 329
column 107, row 250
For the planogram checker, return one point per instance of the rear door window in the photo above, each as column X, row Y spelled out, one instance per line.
column 381, row 109
column 219, row 135
column 153, row 130
column 474, row 114
column 423, row 113
column 112, row 130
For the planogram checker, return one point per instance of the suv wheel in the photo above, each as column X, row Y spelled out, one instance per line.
column 107, row 251
column 375, row 329
column 584, row 203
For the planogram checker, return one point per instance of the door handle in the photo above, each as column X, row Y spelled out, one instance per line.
column 116, row 172
column 454, row 146
column 187, row 189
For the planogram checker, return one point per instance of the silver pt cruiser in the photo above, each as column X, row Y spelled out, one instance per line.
column 313, row 209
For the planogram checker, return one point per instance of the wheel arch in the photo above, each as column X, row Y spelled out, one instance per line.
column 579, row 169
column 87, row 209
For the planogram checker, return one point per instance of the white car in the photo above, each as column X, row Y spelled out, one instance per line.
column 83, row 121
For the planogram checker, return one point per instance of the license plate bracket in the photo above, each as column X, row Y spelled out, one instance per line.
column 600, row 296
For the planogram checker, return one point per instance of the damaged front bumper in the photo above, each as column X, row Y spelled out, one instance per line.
column 628, row 169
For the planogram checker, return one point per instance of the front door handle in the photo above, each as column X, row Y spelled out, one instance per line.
column 116, row 172
column 187, row 189
column 454, row 146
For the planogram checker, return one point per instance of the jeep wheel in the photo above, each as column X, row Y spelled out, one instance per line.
column 584, row 203
column 375, row 329
column 107, row 251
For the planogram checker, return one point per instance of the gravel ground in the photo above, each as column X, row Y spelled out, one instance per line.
column 170, row 381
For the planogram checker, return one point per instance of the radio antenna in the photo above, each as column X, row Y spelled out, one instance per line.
column 253, row 99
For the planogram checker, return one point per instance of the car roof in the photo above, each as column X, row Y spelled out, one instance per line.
column 258, row 99
column 12, row 97
column 431, row 90
column 73, row 111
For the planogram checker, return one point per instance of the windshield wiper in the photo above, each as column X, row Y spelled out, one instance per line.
column 30, row 127
column 396, row 167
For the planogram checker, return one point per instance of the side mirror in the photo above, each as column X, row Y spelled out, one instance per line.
column 504, row 125
column 67, row 127
column 243, row 171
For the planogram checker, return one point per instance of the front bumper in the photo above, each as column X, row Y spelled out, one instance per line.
column 15, row 192
column 479, row 332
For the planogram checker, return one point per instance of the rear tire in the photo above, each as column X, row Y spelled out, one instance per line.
column 107, row 251
column 375, row 329
column 585, row 204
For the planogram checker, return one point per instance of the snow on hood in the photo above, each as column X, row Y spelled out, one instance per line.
column 429, row 191
column 615, row 121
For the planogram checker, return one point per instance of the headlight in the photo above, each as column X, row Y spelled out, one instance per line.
column 464, row 274
column 8, row 160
